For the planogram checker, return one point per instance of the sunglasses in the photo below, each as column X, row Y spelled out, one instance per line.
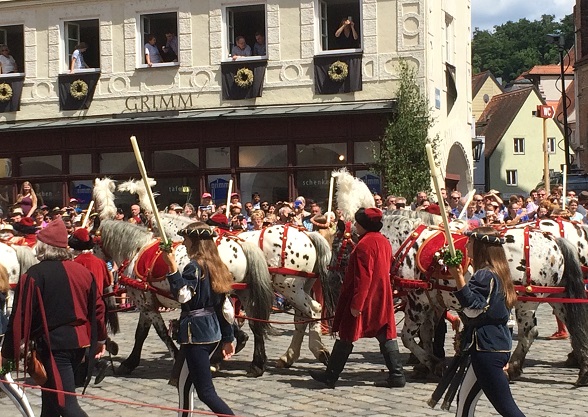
column 478, row 199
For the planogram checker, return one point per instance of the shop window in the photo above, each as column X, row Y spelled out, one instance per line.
column 371, row 179
column 118, row 163
column 218, row 186
column 40, row 165
column 511, row 177
column 247, row 22
column 163, row 28
column 175, row 160
column 218, row 157
column 13, row 38
column 179, row 190
column 82, row 33
column 82, row 191
column 80, row 164
column 365, row 152
column 339, row 17
column 314, row 185
column 270, row 186
column 5, row 199
column 49, row 193
column 263, row 156
column 322, row 154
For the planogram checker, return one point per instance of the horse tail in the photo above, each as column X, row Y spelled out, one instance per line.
column 261, row 292
column 321, row 267
column 111, row 314
column 576, row 313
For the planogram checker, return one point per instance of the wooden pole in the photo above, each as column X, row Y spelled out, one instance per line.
column 88, row 212
column 565, row 184
column 143, row 172
column 433, row 169
column 331, row 187
column 229, row 191
column 546, row 159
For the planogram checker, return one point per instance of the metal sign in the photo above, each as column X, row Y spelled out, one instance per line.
column 545, row 112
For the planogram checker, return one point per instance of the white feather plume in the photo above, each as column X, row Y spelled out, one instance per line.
column 103, row 194
column 352, row 193
column 138, row 187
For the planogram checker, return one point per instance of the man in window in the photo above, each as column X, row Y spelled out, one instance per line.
column 7, row 62
column 241, row 48
column 346, row 35
column 171, row 47
column 259, row 47
column 152, row 55
column 77, row 58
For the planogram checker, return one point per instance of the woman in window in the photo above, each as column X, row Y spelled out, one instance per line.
column 27, row 199
column 7, row 62
column 152, row 55
column 77, row 58
column 346, row 35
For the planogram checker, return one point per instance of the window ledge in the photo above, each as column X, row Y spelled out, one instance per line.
column 340, row 52
column 13, row 75
column 83, row 71
column 255, row 58
column 162, row 65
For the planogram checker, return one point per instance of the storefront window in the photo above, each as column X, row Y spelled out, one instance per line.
column 179, row 190
column 321, row 154
column 263, row 156
column 80, row 164
column 118, row 163
column 271, row 186
column 371, row 179
column 218, row 157
column 314, row 185
column 218, row 186
column 364, row 152
column 50, row 194
column 175, row 160
column 40, row 165
column 82, row 191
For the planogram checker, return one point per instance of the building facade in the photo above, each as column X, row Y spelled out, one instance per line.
column 276, row 122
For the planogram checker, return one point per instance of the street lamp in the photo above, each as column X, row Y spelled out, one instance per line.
column 477, row 147
column 558, row 40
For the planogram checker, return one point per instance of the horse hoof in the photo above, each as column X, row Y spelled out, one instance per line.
column 112, row 347
column 513, row 372
column 439, row 369
column 282, row 364
column 242, row 339
column 572, row 361
column 582, row 380
column 124, row 370
column 255, row 372
column 324, row 357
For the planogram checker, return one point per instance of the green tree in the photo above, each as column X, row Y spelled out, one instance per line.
column 402, row 161
column 512, row 48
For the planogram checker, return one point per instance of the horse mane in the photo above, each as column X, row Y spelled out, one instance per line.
column 138, row 187
column 103, row 194
column 352, row 193
column 123, row 240
column 427, row 218
column 172, row 223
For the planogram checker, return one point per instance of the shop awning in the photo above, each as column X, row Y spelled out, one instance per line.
column 387, row 106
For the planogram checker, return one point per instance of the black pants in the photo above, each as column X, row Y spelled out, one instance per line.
column 488, row 367
column 198, row 360
column 67, row 362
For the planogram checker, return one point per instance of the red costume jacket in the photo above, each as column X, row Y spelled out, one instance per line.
column 97, row 267
column 367, row 288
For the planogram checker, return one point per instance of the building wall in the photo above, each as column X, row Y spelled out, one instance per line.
column 489, row 88
column 529, row 165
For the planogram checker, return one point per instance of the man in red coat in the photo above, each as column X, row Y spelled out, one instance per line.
column 366, row 307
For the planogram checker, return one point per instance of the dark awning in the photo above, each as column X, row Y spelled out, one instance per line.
column 451, row 80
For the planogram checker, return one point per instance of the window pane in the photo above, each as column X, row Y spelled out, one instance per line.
column 5, row 199
column 87, row 31
column 246, row 21
column 337, row 12
column 5, row 167
column 321, row 154
column 314, row 185
column 218, row 157
column 270, row 186
column 80, row 164
column 175, row 160
column 118, row 163
column 263, row 156
column 82, row 190
column 49, row 193
column 371, row 179
column 158, row 25
column 41, row 165
column 13, row 37
column 364, row 152
column 179, row 190
column 218, row 186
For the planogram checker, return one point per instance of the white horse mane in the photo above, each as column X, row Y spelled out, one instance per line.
column 352, row 193
column 103, row 194
column 138, row 187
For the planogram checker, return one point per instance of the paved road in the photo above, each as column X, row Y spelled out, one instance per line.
column 545, row 390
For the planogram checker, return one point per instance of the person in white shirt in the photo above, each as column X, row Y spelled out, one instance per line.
column 7, row 62
column 77, row 58
column 152, row 55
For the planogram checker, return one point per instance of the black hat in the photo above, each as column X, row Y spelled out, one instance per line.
column 81, row 240
column 369, row 218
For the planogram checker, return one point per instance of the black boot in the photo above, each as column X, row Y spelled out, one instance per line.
column 391, row 355
column 337, row 361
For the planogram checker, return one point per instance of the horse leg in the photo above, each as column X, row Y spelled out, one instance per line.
column 315, row 343
column 527, row 332
column 129, row 364
column 162, row 332
column 257, row 366
column 293, row 351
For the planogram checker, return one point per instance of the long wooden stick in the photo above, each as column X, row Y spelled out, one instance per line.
column 433, row 169
column 229, row 192
column 330, row 203
column 143, row 172
column 87, row 216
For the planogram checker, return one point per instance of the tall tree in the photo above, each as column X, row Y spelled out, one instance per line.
column 402, row 160
column 514, row 47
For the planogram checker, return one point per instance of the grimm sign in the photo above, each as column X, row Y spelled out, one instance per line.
column 159, row 102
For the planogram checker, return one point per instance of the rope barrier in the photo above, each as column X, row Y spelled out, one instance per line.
column 112, row 400
column 283, row 322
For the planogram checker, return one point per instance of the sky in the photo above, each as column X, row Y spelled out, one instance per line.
column 487, row 14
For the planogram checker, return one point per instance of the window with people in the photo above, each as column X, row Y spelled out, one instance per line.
column 245, row 26
column 160, row 39
column 340, row 24
column 82, row 44
column 11, row 49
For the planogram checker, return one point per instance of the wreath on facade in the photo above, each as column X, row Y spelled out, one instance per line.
column 78, row 89
column 5, row 92
column 338, row 71
column 244, row 78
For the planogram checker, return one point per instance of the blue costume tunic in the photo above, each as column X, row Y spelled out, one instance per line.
column 201, row 320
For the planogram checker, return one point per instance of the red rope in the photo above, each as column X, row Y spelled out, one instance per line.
column 283, row 322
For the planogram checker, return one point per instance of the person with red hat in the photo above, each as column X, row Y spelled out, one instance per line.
column 366, row 306
column 27, row 230
column 58, row 300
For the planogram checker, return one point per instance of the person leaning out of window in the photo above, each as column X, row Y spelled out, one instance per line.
column 240, row 48
column 77, row 58
column 152, row 55
column 347, row 37
column 7, row 62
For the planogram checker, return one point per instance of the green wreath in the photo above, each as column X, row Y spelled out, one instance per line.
column 338, row 71
column 5, row 92
column 244, row 78
column 78, row 89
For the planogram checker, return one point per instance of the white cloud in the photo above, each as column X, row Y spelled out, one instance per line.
column 486, row 15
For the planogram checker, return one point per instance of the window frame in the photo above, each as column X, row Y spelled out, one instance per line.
column 449, row 39
column 21, row 68
column 64, row 47
column 225, row 39
column 140, row 35
column 512, row 177
column 514, row 147
column 318, row 34
column 551, row 146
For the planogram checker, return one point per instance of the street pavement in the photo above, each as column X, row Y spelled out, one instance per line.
column 546, row 388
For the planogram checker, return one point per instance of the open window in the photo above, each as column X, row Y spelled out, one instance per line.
column 82, row 33
column 13, row 38
column 341, row 18
column 162, row 29
column 247, row 22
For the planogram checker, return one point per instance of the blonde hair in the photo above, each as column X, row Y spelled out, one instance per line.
column 205, row 252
